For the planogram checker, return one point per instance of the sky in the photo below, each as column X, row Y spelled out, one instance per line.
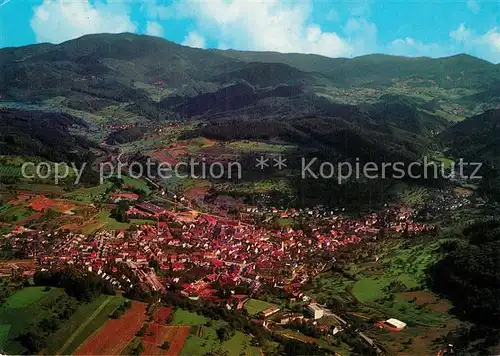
column 333, row 28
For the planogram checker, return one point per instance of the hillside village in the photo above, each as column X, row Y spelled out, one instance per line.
column 221, row 259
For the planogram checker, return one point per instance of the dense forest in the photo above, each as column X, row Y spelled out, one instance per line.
column 470, row 277
column 43, row 134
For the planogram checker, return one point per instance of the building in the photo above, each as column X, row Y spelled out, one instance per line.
column 395, row 324
column 315, row 311
column 269, row 311
column 116, row 197
column 151, row 208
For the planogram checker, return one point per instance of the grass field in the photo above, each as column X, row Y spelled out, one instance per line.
column 369, row 283
column 285, row 222
column 407, row 265
column 240, row 344
column 22, row 309
column 412, row 196
column 41, row 188
column 205, row 338
column 142, row 222
column 11, row 214
column 255, row 306
column 207, row 341
column 136, row 183
column 184, row 317
column 257, row 146
column 445, row 161
column 7, row 170
column 111, row 223
column 84, row 322
column 101, row 221
column 88, row 194
column 25, row 297
column 369, row 289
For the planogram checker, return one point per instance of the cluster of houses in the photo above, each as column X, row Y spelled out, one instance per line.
column 194, row 256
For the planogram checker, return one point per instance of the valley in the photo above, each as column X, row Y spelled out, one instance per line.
column 256, row 260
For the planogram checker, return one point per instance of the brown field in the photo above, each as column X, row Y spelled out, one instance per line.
column 163, row 156
column 431, row 300
column 41, row 202
column 463, row 191
column 196, row 192
column 162, row 314
column 116, row 334
column 216, row 151
column 175, row 335
column 29, row 219
column 82, row 225
column 423, row 339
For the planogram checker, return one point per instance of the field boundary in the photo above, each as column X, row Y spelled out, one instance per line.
column 84, row 324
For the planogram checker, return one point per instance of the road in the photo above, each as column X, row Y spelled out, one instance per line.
column 370, row 341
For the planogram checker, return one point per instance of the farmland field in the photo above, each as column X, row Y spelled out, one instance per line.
column 255, row 306
column 136, row 183
column 86, row 319
column 88, row 194
column 157, row 334
column 206, row 340
column 257, row 146
column 25, row 297
column 10, row 171
column 41, row 188
column 16, row 213
column 393, row 286
column 184, row 317
column 162, row 314
column 116, row 334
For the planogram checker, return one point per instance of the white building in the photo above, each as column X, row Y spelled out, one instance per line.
column 315, row 311
column 395, row 323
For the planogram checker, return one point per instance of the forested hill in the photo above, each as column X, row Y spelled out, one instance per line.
column 476, row 138
column 377, row 106
column 377, row 69
column 96, row 71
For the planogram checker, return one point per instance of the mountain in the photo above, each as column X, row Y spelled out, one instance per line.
column 476, row 138
column 42, row 134
column 106, row 69
column 462, row 70
column 128, row 78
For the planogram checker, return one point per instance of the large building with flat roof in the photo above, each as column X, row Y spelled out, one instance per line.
column 315, row 311
column 395, row 324
column 151, row 208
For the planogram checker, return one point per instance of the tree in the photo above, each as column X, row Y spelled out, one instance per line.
column 33, row 341
column 120, row 211
column 139, row 349
column 48, row 325
column 224, row 334
column 469, row 276
column 143, row 330
column 165, row 345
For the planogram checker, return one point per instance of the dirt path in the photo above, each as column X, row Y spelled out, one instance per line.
column 84, row 325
